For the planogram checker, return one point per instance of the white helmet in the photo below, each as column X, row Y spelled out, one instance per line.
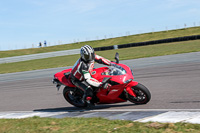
column 87, row 53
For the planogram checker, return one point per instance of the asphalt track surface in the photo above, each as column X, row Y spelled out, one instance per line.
column 174, row 82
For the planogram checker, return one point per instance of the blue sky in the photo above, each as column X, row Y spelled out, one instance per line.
column 24, row 23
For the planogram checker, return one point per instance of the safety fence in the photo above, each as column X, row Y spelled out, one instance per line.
column 169, row 40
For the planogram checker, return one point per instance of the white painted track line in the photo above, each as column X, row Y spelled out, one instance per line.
column 153, row 115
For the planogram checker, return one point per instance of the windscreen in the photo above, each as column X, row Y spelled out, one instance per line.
column 115, row 70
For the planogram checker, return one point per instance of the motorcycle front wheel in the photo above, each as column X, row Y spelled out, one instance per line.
column 74, row 97
column 143, row 95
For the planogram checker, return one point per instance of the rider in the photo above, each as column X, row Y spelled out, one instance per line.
column 82, row 69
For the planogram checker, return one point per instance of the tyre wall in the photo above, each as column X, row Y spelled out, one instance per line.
column 169, row 40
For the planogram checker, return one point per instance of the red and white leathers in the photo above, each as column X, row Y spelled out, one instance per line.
column 82, row 70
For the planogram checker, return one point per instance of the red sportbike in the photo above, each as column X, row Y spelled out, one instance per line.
column 122, row 86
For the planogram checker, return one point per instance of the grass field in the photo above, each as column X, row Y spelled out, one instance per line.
column 108, row 42
column 126, row 53
column 91, row 125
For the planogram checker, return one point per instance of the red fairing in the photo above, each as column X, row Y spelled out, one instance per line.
column 97, row 74
column 111, row 95
column 132, row 83
column 120, row 81
column 61, row 77
column 129, row 90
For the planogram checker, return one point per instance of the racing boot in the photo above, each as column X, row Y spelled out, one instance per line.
column 89, row 103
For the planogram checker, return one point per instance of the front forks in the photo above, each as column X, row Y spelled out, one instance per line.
column 128, row 89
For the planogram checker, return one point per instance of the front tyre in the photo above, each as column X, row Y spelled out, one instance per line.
column 74, row 97
column 143, row 95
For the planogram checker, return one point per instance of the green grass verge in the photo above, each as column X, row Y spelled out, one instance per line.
column 126, row 53
column 107, row 42
column 91, row 125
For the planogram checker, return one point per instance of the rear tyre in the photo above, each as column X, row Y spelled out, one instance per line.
column 74, row 97
column 143, row 95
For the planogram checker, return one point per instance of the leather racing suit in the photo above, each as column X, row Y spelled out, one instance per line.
column 81, row 74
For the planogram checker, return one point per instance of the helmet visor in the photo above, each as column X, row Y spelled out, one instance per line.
column 89, row 57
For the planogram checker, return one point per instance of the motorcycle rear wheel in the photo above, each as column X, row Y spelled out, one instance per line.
column 74, row 97
column 143, row 95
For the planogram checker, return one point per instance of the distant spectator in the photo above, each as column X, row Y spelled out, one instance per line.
column 40, row 44
column 45, row 43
